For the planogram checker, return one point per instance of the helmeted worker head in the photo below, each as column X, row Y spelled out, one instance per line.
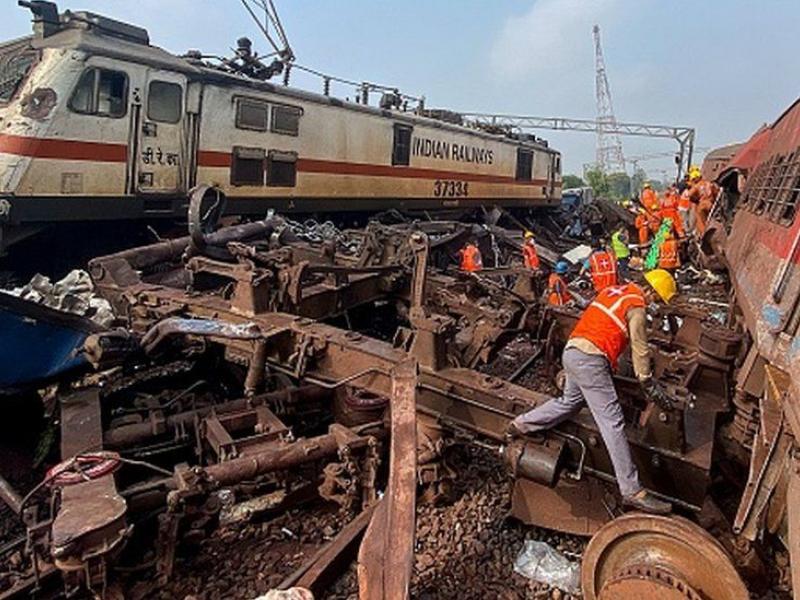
column 528, row 235
column 662, row 284
column 561, row 267
column 647, row 185
column 694, row 174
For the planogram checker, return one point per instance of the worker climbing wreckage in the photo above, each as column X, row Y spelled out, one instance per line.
column 615, row 319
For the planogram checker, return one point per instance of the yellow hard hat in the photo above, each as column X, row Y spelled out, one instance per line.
column 663, row 283
column 647, row 184
column 694, row 175
column 528, row 235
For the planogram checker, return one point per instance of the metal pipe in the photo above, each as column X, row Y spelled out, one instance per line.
column 277, row 459
column 10, row 496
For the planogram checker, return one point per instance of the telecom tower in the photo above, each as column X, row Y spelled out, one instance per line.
column 609, row 147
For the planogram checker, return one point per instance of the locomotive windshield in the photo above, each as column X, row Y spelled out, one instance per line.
column 16, row 60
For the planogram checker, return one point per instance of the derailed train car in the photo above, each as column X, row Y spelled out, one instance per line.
column 757, row 235
column 98, row 124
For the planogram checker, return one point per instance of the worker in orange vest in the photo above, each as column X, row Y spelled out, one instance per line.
column 529, row 254
column 602, row 267
column 668, row 257
column 643, row 226
column 669, row 210
column 557, row 292
column 471, row 260
column 615, row 319
column 650, row 198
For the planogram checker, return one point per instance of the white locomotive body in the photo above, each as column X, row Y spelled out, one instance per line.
column 97, row 124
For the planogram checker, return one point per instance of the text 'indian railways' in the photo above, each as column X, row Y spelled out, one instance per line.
column 451, row 151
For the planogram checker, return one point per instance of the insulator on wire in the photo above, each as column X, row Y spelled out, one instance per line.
column 286, row 74
column 326, row 86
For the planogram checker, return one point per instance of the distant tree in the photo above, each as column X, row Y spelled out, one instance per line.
column 598, row 181
column 619, row 186
column 572, row 181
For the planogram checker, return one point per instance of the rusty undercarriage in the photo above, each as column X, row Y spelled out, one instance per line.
column 260, row 361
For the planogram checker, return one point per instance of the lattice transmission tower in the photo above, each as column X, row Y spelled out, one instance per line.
column 610, row 158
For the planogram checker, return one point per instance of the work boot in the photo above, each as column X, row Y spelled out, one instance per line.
column 513, row 431
column 646, row 502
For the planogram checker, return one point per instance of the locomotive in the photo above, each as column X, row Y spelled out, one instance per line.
column 97, row 124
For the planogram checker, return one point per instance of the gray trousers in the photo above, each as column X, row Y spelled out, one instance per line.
column 589, row 379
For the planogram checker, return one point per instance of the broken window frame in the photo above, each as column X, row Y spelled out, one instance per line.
column 244, row 102
column 773, row 189
column 93, row 109
column 401, row 145
column 164, row 85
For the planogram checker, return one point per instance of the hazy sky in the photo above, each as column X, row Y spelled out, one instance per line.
column 721, row 66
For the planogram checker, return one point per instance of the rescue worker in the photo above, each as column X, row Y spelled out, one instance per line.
column 614, row 319
column 668, row 255
column 471, row 261
column 650, row 198
column 602, row 267
column 529, row 254
column 702, row 195
column 669, row 210
column 619, row 244
column 685, row 211
column 643, row 227
column 557, row 292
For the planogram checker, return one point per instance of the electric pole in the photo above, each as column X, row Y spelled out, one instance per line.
column 609, row 147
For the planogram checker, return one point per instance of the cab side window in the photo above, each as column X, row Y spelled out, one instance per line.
column 524, row 165
column 164, row 102
column 101, row 92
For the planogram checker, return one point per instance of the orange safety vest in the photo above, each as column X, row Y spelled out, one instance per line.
column 603, row 267
column 530, row 255
column 604, row 323
column 559, row 295
column 471, row 260
column 668, row 257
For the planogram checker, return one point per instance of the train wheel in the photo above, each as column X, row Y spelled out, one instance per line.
column 659, row 558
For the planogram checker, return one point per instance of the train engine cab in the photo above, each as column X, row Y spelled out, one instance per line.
column 96, row 124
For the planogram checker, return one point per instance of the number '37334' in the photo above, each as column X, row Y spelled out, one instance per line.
column 450, row 189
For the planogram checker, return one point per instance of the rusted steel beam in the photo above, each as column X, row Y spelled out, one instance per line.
column 386, row 556
column 318, row 573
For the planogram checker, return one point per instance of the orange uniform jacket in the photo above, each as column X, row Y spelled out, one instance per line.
column 669, row 210
column 604, row 323
column 557, row 288
column 650, row 199
column 530, row 255
column 668, row 257
column 643, row 226
column 471, row 260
